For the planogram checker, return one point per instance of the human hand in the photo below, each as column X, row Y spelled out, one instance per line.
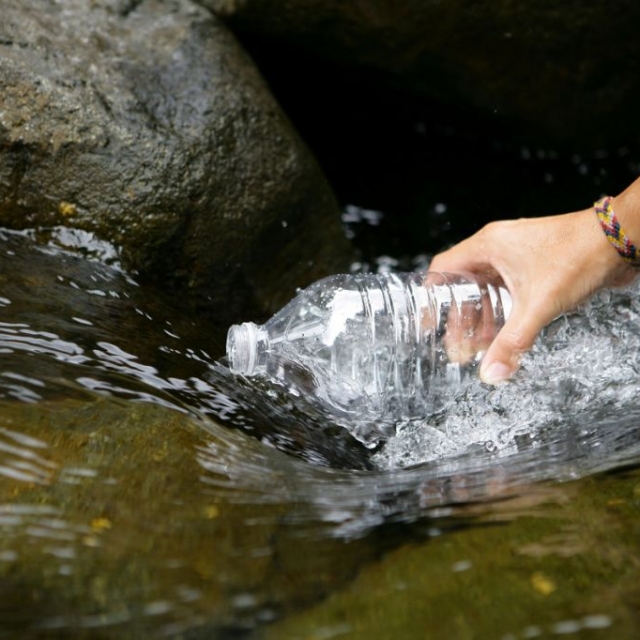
column 549, row 265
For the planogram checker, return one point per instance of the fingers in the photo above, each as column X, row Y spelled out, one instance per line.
column 474, row 256
column 548, row 265
column 462, row 257
column 517, row 336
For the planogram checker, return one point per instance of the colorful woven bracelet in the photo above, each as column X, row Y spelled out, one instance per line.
column 615, row 233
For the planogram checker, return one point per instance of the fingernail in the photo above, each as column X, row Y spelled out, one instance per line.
column 495, row 373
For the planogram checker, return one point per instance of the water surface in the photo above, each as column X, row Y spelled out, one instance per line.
column 146, row 492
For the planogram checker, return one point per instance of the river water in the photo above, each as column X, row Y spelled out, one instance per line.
column 145, row 492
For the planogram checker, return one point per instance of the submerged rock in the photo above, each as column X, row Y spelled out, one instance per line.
column 118, row 520
column 557, row 68
column 146, row 123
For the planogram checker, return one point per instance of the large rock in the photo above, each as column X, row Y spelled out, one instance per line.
column 146, row 123
column 566, row 69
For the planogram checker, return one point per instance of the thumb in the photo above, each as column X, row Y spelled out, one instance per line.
column 516, row 336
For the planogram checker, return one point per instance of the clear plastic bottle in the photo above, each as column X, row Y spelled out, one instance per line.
column 373, row 349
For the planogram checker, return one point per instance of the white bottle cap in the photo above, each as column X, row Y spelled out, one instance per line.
column 242, row 341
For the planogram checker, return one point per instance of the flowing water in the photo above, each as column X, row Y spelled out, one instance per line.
column 146, row 492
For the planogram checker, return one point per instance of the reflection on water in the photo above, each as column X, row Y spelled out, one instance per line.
column 145, row 492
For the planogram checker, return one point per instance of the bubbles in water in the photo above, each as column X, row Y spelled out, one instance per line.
column 583, row 370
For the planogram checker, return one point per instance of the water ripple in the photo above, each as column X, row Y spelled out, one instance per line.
column 571, row 412
column 19, row 461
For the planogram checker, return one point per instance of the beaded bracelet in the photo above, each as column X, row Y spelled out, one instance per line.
column 614, row 231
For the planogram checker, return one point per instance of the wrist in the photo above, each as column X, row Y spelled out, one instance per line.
column 627, row 209
column 615, row 232
column 602, row 260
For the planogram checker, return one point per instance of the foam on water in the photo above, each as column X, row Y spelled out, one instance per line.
column 583, row 370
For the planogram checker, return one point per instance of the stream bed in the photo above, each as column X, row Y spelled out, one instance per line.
column 145, row 492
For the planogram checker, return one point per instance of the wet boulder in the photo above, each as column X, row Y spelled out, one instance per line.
column 567, row 70
column 146, row 123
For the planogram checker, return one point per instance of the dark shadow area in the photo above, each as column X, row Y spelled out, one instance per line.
column 435, row 173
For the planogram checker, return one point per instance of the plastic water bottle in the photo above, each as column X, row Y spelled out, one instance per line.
column 374, row 349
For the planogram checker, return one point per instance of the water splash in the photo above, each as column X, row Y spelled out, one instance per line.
column 581, row 375
column 70, row 328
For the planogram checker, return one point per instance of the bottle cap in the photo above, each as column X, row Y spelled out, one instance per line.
column 242, row 341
